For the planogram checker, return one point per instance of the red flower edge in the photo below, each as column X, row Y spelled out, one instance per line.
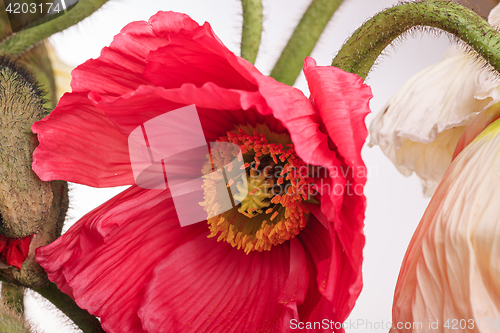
column 14, row 251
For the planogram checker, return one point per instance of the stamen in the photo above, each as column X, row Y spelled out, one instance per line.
column 271, row 206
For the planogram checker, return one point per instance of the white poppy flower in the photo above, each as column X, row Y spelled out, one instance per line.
column 419, row 127
column 450, row 275
column 62, row 72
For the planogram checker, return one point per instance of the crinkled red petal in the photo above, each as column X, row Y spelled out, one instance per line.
column 107, row 260
column 342, row 102
column 14, row 251
column 129, row 262
column 79, row 144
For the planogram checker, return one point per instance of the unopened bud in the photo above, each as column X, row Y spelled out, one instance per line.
column 28, row 206
column 24, row 199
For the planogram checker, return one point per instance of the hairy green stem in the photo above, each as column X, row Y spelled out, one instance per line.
column 12, row 321
column 13, row 296
column 303, row 40
column 23, row 40
column 85, row 321
column 359, row 53
column 252, row 29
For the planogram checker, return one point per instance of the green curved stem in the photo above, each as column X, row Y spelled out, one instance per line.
column 252, row 29
column 23, row 40
column 359, row 53
column 85, row 321
column 303, row 40
column 11, row 321
column 13, row 296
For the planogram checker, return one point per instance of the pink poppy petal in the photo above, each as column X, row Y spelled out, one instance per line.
column 168, row 23
column 79, row 144
column 13, row 257
column 208, row 286
column 317, row 245
column 295, row 289
column 14, row 251
column 332, row 293
column 220, row 110
column 119, row 68
column 316, row 212
column 23, row 245
column 3, row 242
column 476, row 127
column 342, row 200
column 197, row 57
column 342, row 101
column 299, row 116
column 344, row 277
column 106, row 259
column 295, row 111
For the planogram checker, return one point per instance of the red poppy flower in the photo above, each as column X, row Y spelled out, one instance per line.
column 132, row 264
column 14, row 251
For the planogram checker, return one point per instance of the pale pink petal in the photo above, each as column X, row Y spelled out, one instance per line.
column 450, row 270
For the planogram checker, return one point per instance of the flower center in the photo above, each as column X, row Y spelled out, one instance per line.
column 268, row 196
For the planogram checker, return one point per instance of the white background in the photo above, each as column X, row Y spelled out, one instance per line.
column 395, row 203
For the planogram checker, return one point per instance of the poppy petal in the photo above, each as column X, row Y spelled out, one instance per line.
column 342, row 110
column 133, row 109
column 79, row 144
column 106, row 260
column 450, row 271
column 197, row 57
column 205, row 285
column 120, row 66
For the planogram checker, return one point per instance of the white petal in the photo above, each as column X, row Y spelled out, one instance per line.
column 451, row 269
column 494, row 17
column 445, row 96
column 477, row 126
column 416, row 156
column 62, row 72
